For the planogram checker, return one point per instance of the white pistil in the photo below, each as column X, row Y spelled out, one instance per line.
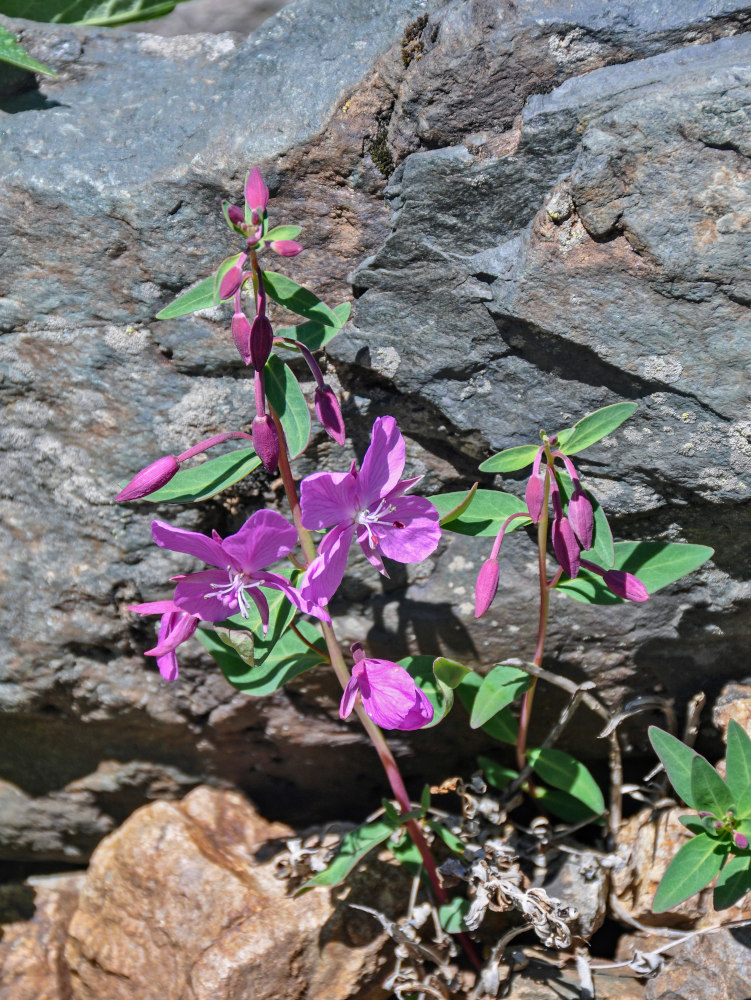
column 367, row 518
column 234, row 591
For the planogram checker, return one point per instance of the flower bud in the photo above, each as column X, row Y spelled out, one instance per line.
column 150, row 479
column 582, row 518
column 329, row 413
column 565, row 546
column 535, row 495
column 231, row 282
column 740, row 840
column 625, row 585
column 256, row 192
column 486, row 586
column 241, row 335
column 266, row 441
column 261, row 342
column 285, row 248
column 235, row 215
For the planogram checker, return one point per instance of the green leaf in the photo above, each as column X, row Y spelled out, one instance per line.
column 698, row 824
column 242, row 641
column 406, row 854
column 460, row 507
column 656, row 564
column 201, row 296
column 496, row 774
column 734, row 882
column 450, row 839
column 106, row 13
column 484, row 515
column 677, row 759
column 562, row 771
column 498, row 689
column 511, row 459
column 452, row 915
column 299, row 300
column 563, row 805
column 693, row 868
column 708, row 791
column 285, row 395
column 596, row 426
column 501, row 727
column 206, row 480
column 437, row 679
column 739, row 768
column 11, row 51
column 282, row 233
column 353, row 848
column 313, row 334
column 280, row 660
column 602, row 551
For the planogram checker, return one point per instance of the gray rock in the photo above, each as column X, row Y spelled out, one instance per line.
column 538, row 255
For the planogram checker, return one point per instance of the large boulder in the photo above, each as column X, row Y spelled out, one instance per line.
column 543, row 209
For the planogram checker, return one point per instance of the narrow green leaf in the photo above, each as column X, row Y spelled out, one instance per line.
column 285, row 395
column 677, row 759
column 206, row 480
column 511, row 459
column 460, row 507
column 734, row 881
column 353, row 848
column 739, row 767
column 449, row 673
column 602, row 551
column 299, row 300
column 562, row 771
column 450, row 839
column 499, row 688
column 315, row 335
column 11, row 51
column 596, row 426
column 485, row 514
column 200, row 296
column 282, row 233
column 656, row 564
column 693, row 868
column 501, row 727
column 452, row 915
column 496, row 774
column 708, row 791
column 406, row 853
column 425, row 798
column 563, row 805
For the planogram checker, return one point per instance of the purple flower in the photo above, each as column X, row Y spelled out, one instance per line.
column 369, row 506
column 176, row 626
column 150, row 479
column 389, row 695
column 213, row 595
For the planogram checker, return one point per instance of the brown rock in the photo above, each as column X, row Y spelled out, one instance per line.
column 710, row 965
column 649, row 841
column 178, row 904
column 733, row 702
column 31, row 960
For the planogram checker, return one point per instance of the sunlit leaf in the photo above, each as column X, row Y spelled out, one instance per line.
column 511, row 459
column 738, row 767
column 485, row 514
column 285, row 395
column 499, row 688
column 708, row 791
column 502, row 726
column 315, row 335
column 595, row 426
column 353, row 848
column 299, row 300
column 677, row 759
column 201, row 296
column 106, row 13
column 563, row 771
column 694, row 866
column 11, row 51
column 734, row 881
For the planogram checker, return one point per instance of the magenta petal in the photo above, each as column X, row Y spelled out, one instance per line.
column 230, row 282
column 323, row 576
column 625, row 585
column 534, row 496
column 168, row 666
column 391, row 698
column 740, row 840
column 241, row 335
column 565, row 546
column 285, row 248
column 176, row 627
column 486, row 587
column 582, row 518
column 261, row 341
column 235, row 215
column 192, row 543
column 327, row 498
column 150, row 479
column 410, row 532
column 256, row 192
column 265, row 440
column 153, row 607
column 265, row 537
column 329, row 413
column 195, row 594
column 347, row 704
column 259, row 599
column 383, row 463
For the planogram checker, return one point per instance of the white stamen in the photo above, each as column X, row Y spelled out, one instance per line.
column 367, row 518
column 234, row 591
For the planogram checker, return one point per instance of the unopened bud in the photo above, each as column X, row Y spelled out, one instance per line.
column 565, row 546
column 256, row 192
column 285, row 248
column 582, row 518
column 486, row 586
column 329, row 413
column 266, row 441
column 261, row 342
column 535, row 495
column 235, row 215
column 241, row 335
column 150, row 479
column 740, row 840
column 625, row 585
column 231, row 282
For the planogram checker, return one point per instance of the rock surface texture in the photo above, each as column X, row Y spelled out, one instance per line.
column 540, row 208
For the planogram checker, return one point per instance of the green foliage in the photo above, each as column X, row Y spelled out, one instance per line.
column 313, row 333
column 11, row 51
column 437, row 678
column 201, row 296
column 738, row 768
column 708, row 791
column 282, row 233
column 594, row 427
column 656, row 564
column 498, row 689
column 496, row 774
column 603, row 550
column 299, row 300
column 285, row 395
column 695, row 865
column 452, row 915
column 511, row 459
column 457, row 511
column 353, row 848
column 208, row 479
column 733, row 882
column 677, row 759
column 485, row 513
column 564, row 772
column 502, row 726
column 104, row 13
